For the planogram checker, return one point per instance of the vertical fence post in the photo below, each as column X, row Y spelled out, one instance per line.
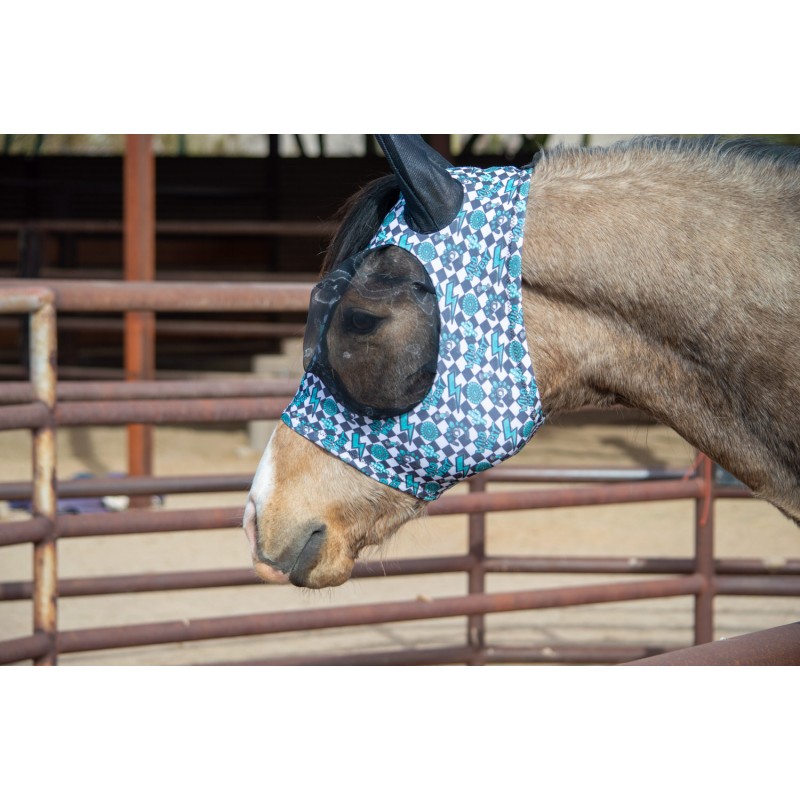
column 45, row 567
column 704, row 554
column 477, row 574
column 139, row 237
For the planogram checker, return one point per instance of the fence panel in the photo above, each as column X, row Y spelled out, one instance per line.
column 43, row 406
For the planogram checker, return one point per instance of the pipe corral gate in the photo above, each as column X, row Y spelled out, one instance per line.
column 43, row 405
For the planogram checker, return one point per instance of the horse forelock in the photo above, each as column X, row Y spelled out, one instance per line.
column 360, row 217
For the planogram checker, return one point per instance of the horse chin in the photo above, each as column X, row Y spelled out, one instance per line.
column 325, row 575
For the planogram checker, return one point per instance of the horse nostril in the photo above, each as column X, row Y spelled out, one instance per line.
column 309, row 555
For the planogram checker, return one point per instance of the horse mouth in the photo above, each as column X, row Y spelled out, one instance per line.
column 269, row 574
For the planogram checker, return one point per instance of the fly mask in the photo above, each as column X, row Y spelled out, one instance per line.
column 417, row 368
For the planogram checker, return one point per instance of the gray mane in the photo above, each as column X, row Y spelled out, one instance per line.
column 747, row 159
column 754, row 149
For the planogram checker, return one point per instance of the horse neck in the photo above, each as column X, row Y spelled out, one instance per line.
column 650, row 285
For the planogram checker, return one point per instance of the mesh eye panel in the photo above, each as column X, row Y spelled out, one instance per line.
column 373, row 332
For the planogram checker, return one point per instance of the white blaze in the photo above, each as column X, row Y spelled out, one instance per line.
column 260, row 490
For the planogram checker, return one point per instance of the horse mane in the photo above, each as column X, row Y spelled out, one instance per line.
column 749, row 160
column 752, row 149
column 361, row 216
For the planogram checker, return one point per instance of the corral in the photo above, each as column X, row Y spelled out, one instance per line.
column 628, row 501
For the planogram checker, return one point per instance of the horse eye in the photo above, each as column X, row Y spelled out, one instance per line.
column 361, row 321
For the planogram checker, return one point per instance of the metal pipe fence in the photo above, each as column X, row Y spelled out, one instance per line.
column 38, row 304
column 43, row 405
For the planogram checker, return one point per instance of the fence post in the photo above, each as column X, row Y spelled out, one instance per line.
column 139, row 237
column 704, row 554
column 45, row 567
column 477, row 574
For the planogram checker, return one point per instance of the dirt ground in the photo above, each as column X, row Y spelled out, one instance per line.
column 744, row 529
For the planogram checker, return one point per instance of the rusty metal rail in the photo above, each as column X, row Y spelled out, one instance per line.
column 779, row 645
column 287, row 228
column 369, row 614
column 118, row 412
column 44, row 406
column 19, row 392
column 759, row 581
column 178, row 296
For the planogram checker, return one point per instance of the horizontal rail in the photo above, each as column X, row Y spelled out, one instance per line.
column 569, row 654
column 24, row 649
column 71, row 525
column 188, row 484
column 206, row 579
column 637, row 565
column 197, row 519
column 540, row 654
column 373, row 614
column 562, row 497
column 288, row 228
column 762, row 585
column 396, row 658
column 134, row 486
column 123, row 412
column 131, row 584
column 25, row 415
column 24, row 531
column 510, row 474
column 755, row 582
column 21, row 391
column 103, row 296
column 779, row 646
column 178, row 328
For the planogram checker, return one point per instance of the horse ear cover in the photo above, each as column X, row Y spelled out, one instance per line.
column 432, row 195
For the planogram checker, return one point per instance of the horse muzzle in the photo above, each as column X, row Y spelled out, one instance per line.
column 290, row 561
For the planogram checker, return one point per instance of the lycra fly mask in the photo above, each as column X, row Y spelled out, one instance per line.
column 417, row 365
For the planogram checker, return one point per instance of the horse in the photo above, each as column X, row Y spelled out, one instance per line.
column 660, row 274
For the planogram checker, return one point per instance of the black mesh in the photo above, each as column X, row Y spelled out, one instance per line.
column 372, row 333
column 433, row 196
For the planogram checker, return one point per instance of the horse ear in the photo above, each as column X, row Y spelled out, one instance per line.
column 433, row 196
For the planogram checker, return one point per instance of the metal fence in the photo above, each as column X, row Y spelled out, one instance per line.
column 43, row 405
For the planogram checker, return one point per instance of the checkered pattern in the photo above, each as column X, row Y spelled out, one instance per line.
column 484, row 405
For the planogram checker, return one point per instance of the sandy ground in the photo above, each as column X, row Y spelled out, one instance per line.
column 744, row 529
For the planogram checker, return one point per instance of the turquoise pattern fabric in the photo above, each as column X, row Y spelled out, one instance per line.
column 484, row 405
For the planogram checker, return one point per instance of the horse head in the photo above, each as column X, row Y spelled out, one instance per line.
column 397, row 403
